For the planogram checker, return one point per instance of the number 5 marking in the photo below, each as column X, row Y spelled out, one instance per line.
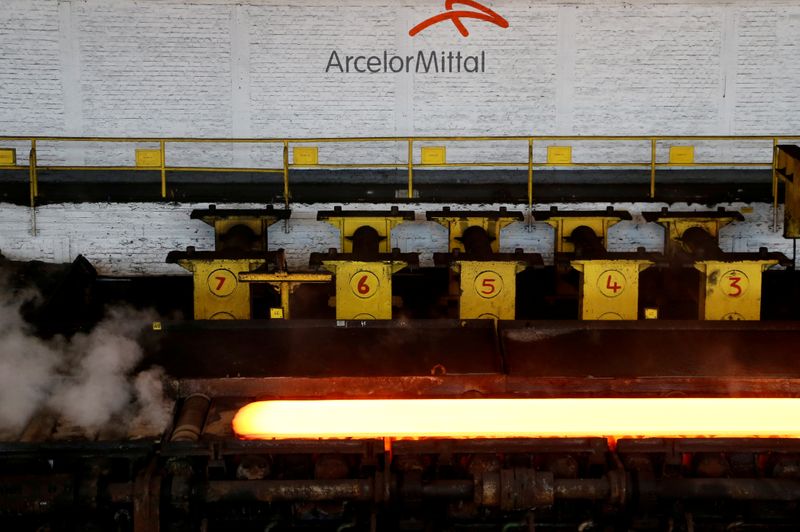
column 488, row 283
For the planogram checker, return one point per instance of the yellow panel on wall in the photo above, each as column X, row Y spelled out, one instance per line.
column 681, row 154
column 8, row 157
column 434, row 155
column 559, row 154
column 305, row 155
column 148, row 158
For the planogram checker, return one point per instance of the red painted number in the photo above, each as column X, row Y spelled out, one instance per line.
column 613, row 287
column 221, row 282
column 363, row 287
column 735, row 284
column 488, row 283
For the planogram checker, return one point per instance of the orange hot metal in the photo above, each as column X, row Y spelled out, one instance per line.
column 520, row 418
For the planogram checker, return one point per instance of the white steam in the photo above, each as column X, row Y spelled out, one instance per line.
column 86, row 381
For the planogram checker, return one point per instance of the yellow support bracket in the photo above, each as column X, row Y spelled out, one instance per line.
column 228, row 225
column 286, row 283
column 456, row 223
column 565, row 222
column 347, row 222
column 677, row 223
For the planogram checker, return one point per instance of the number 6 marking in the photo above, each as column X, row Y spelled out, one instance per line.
column 363, row 287
column 364, row 284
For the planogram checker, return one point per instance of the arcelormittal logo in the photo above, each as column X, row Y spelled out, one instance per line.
column 482, row 13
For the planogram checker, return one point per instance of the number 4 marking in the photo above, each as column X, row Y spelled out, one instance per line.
column 613, row 287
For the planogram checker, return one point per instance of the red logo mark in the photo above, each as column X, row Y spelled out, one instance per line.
column 483, row 13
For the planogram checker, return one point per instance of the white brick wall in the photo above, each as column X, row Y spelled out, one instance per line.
column 134, row 239
column 242, row 68
column 232, row 68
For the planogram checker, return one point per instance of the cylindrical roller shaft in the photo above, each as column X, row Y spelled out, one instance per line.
column 287, row 490
column 738, row 489
column 191, row 419
column 584, row 489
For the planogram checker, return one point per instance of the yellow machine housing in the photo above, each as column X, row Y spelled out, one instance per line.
column 609, row 289
column 787, row 168
column 363, row 289
column 218, row 293
column 488, row 289
column 731, row 290
column 730, row 283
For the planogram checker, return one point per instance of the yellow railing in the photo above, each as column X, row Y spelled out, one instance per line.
column 285, row 143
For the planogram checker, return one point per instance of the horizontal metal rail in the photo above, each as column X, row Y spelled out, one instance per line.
column 654, row 141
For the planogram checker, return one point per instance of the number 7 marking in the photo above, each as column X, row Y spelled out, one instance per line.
column 221, row 282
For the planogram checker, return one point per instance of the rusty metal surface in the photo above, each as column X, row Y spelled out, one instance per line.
column 652, row 349
column 468, row 359
column 326, row 349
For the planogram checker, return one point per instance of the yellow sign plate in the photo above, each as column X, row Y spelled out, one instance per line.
column 148, row 158
column 433, row 155
column 8, row 157
column 306, row 155
column 559, row 154
column 276, row 313
column 681, row 155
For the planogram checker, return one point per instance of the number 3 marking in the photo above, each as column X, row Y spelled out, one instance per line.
column 735, row 284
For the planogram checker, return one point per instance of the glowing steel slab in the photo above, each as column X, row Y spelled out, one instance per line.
column 520, row 418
